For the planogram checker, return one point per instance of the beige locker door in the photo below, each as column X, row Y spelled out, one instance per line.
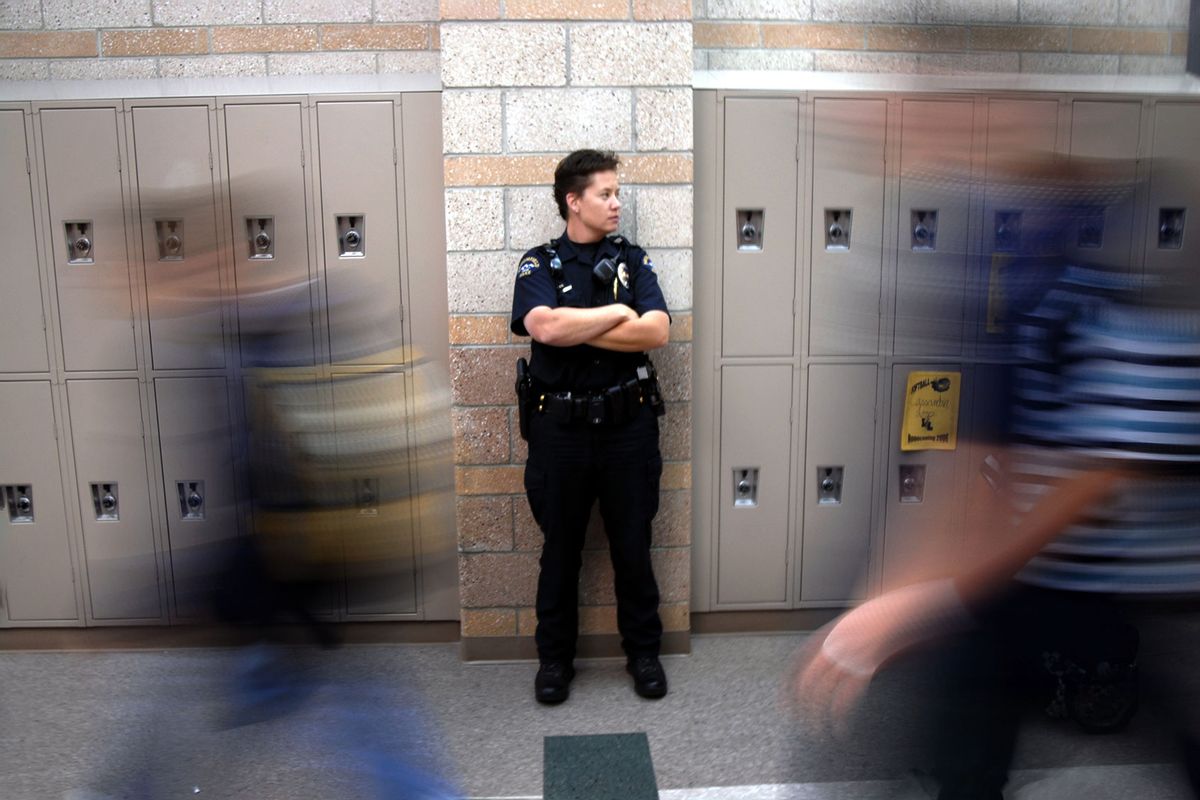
column 1021, row 140
column 840, row 448
column 1174, row 190
column 179, row 236
column 758, row 290
column 1102, row 232
column 752, row 541
column 847, row 225
column 195, row 440
column 931, row 244
column 269, row 224
column 922, row 517
column 87, row 237
column 35, row 555
column 357, row 145
column 22, row 323
column 370, row 413
column 114, row 499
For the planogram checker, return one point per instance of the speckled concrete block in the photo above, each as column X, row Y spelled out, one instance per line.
column 481, row 435
column 154, row 42
column 406, row 10
column 562, row 120
column 48, row 44
column 1023, row 38
column 481, row 282
column 321, row 64
column 1168, row 13
column 532, row 217
column 207, row 12
column 276, row 11
column 269, row 39
column 917, row 38
column 865, row 10
column 103, row 68
column 664, row 216
column 674, row 269
column 674, row 363
column 483, row 376
column 755, row 9
column 527, row 536
column 951, row 63
column 675, row 432
column 673, row 524
column 76, row 14
column 632, row 54
column 510, row 54
column 20, row 15
column 865, row 62
column 663, row 119
column 700, row 59
column 489, row 622
column 761, row 59
column 969, row 11
column 471, row 121
column 484, row 523
column 213, row 66
column 1069, row 63
column 474, row 219
column 498, row 579
column 488, row 480
column 1153, row 65
column 411, row 62
column 1078, row 12
column 673, row 571
column 21, row 69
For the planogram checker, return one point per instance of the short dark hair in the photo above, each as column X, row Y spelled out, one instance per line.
column 574, row 173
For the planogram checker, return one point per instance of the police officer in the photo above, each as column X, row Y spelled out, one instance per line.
column 592, row 305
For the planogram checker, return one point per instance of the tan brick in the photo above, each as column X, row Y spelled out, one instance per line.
column 483, row 376
column 499, row 170
column 598, row 619
column 489, row 480
column 520, row 448
column 596, row 579
column 477, row 329
column 1028, row 38
column 814, row 36
column 681, row 327
column 674, row 364
column 566, row 9
column 264, row 39
column 527, row 536
column 375, row 37
column 1122, row 41
column 498, row 579
column 154, row 42
column 655, row 169
column 726, row 34
column 489, row 622
column 52, row 44
column 677, row 475
column 526, row 621
column 675, row 616
column 673, row 524
column 484, row 523
column 654, row 10
column 675, row 432
column 470, row 9
column 435, row 37
column 481, row 435
column 673, row 572
column 916, row 38
column 1179, row 43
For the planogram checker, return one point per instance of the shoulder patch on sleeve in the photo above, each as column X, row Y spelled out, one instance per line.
column 528, row 265
column 646, row 262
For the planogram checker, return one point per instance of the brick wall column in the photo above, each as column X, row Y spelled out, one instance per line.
column 523, row 87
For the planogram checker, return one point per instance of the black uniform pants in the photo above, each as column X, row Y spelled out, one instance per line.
column 570, row 467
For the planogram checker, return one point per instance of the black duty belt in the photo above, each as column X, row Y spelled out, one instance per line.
column 613, row 405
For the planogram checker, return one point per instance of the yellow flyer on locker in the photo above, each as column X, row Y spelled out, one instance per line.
column 930, row 411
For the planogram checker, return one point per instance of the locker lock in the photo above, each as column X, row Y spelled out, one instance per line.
column 1170, row 228
column 924, row 229
column 19, row 500
column 79, row 241
column 829, row 485
column 170, row 239
column 191, row 499
column 750, row 229
column 745, row 487
column 912, row 483
column 837, row 228
column 352, row 235
column 260, row 236
column 105, row 501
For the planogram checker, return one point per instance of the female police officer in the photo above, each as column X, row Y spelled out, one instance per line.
column 590, row 404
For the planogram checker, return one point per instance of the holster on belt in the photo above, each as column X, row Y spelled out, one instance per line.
column 525, row 397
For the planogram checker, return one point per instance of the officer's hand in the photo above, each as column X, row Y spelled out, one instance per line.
column 626, row 312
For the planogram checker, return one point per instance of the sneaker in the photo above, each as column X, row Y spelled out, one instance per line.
column 649, row 680
column 553, row 682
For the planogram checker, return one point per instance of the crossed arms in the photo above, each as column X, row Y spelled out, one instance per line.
column 612, row 327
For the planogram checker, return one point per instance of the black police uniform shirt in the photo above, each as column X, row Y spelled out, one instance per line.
column 582, row 368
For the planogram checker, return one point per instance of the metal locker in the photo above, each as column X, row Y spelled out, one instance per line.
column 1174, row 190
column 87, row 236
column 847, row 225
column 35, row 555
column 754, row 476
column 932, row 268
column 377, row 524
column 837, row 482
column 179, row 236
column 22, row 319
column 1104, row 140
column 1021, row 147
column 269, row 218
column 114, row 499
column 923, row 500
column 759, row 226
column 357, row 147
column 195, row 441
